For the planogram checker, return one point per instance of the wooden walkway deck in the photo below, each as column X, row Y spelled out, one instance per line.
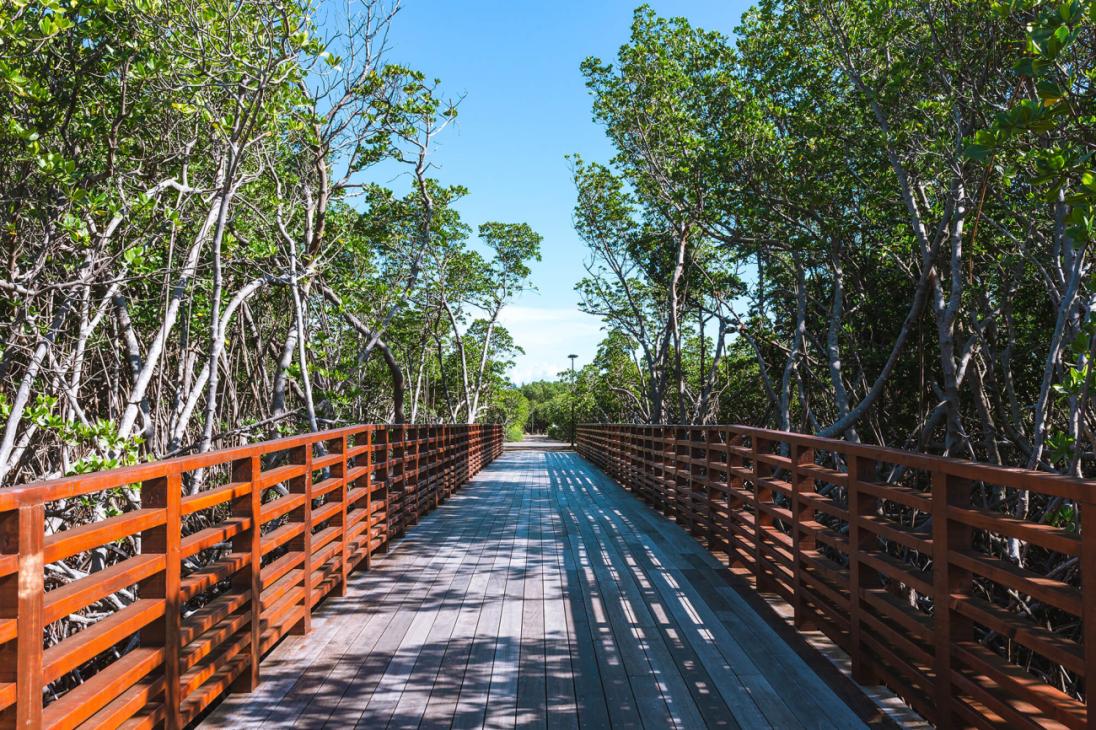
column 542, row 594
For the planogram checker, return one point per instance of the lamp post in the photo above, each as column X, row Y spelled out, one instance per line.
column 572, row 399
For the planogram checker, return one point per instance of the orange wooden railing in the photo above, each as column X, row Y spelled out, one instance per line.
column 212, row 559
column 896, row 556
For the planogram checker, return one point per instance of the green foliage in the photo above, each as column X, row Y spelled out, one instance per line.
column 99, row 442
column 1048, row 139
column 852, row 217
column 180, row 178
column 511, row 408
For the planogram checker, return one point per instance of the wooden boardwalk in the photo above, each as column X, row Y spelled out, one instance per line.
column 540, row 595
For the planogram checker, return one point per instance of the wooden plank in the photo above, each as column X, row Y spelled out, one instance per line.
column 365, row 616
column 735, row 677
column 632, row 614
column 675, row 660
column 620, row 703
column 813, row 697
column 742, row 683
column 591, row 701
column 370, row 676
column 532, row 682
column 371, row 659
column 472, row 699
column 617, row 615
column 435, row 679
column 559, row 641
column 402, row 693
column 503, row 690
column 445, row 690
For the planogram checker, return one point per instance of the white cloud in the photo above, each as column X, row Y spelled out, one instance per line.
column 548, row 336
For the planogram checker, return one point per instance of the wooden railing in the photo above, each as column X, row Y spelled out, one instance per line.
column 210, row 560
column 898, row 557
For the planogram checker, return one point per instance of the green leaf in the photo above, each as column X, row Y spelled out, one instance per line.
column 1049, row 91
column 978, row 152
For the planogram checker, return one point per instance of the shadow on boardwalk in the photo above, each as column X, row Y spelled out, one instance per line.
column 541, row 595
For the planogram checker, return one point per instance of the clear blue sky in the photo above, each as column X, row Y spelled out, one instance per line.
column 516, row 63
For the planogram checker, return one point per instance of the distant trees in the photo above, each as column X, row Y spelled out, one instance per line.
column 549, row 407
column 195, row 252
column 863, row 218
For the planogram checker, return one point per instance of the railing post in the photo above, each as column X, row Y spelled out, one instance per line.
column 437, row 465
column 639, row 462
column 681, row 503
column 165, row 493
column 477, row 446
column 1088, row 601
column 303, row 542
column 482, row 444
column 617, row 453
column 249, row 541
column 860, row 575
column 22, row 594
column 339, row 471
column 698, row 493
column 435, row 454
column 419, row 506
column 656, row 459
column 628, row 447
column 801, row 512
column 948, row 580
column 407, row 496
column 447, row 460
column 666, row 449
column 386, row 451
column 735, row 486
column 409, row 482
column 393, row 453
column 370, row 481
column 613, row 452
column 727, row 500
column 626, row 456
column 422, row 467
column 713, row 537
column 762, row 518
column 468, row 468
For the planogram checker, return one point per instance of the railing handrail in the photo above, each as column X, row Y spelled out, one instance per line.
column 75, row 485
column 901, row 594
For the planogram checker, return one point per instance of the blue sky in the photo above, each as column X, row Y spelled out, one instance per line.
column 516, row 63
